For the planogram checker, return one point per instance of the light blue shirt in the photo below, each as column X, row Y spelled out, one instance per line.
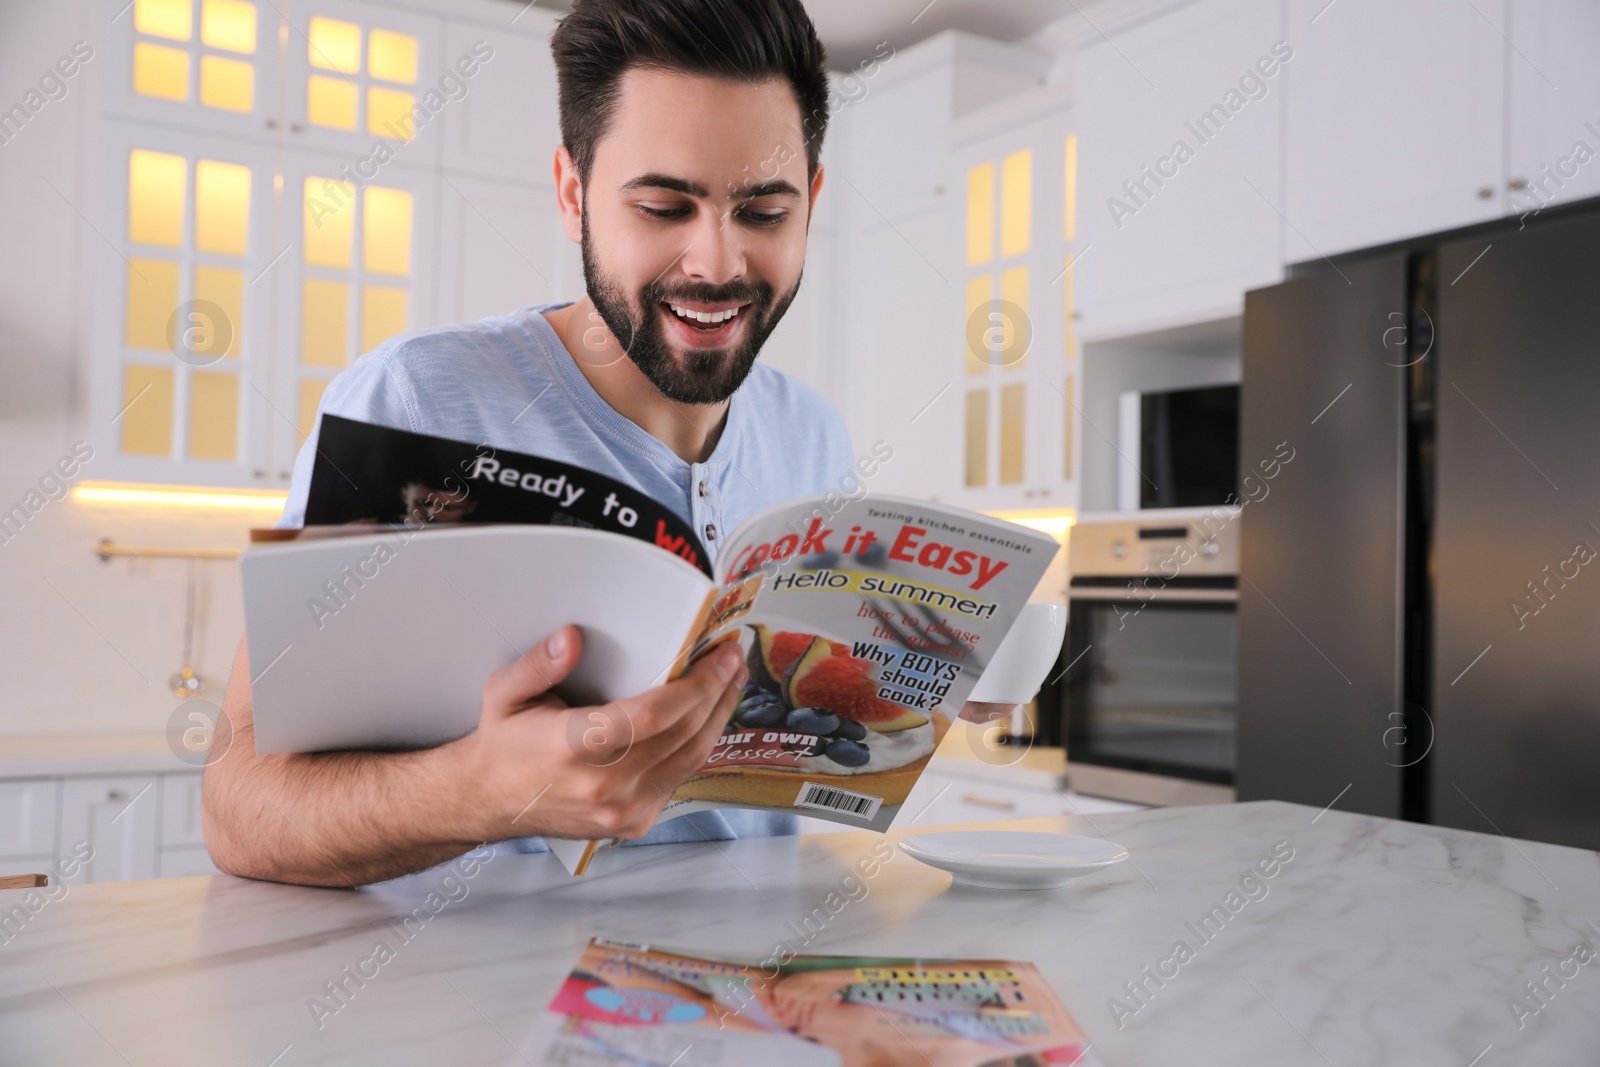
column 510, row 383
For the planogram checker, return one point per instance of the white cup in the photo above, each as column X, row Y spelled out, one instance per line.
column 1023, row 660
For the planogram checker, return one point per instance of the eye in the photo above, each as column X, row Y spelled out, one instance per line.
column 665, row 213
column 763, row 218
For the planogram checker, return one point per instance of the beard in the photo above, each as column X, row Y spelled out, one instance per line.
column 700, row 376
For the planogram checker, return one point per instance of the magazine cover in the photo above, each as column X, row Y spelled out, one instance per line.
column 645, row 1004
column 864, row 628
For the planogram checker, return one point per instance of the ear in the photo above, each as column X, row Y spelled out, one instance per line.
column 569, row 194
column 816, row 187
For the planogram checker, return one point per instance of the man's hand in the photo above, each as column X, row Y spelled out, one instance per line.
column 980, row 712
column 537, row 766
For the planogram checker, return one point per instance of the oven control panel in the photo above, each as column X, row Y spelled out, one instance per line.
column 1191, row 542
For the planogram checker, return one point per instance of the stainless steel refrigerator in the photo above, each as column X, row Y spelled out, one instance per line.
column 1419, row 595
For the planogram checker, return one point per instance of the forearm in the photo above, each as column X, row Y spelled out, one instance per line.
column 337, row 818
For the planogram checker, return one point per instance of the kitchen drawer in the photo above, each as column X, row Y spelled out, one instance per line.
column 948, row 798
column 180, row 810
column 183, row 862
column 116, row 817
column 28, row 811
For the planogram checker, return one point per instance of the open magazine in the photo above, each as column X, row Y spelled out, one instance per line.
column 865, row 620
column 646, row 1004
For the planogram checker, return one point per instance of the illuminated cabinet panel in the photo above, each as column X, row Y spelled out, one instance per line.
column 383, row 314
column 146, row 415
column 151, row 300
column 213, row 415
column 977, row 437
column 171, row 19
column 1013, row 432
column 160, row 72
column 228, row 84
column 222, row 207
column 386, row 236
column 229, row 25
column 1016, row 204
column 980, row 214
column 324, row 322
column 311, row 390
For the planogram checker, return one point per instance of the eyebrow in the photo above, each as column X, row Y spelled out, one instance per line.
column 778, row 187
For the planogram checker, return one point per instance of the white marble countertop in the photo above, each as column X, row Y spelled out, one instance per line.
column 55, row 755
column 1378, row 942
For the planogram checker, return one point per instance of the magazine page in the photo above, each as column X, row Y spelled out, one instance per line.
column 865, row 623
column 642, row 1004
column 376, row 475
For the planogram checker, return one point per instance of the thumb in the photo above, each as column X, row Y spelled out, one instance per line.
column 533, row 673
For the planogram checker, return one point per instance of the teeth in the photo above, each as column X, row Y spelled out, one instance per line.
column 704, row 316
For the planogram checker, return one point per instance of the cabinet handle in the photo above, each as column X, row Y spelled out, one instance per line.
column 116, row 796
column 1517, row 183
column 988, row 802
column 1485, row 192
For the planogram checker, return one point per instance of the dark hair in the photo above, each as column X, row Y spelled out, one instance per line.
column 745, row 40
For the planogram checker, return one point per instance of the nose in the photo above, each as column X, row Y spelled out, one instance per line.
column 715, row 254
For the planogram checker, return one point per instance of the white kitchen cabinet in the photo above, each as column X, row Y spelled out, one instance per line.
column 1553, row 153
column 180, row 811
column 119, row 818
column 501, row 248
column 360, row 268
column 942, row 797
column 205, row 67
column 1016, row 358
column 1396, row 118
column 900, row 387
column 182, row 345
column 353, row 75
column 507, row 126
column 271, row 97
column 1179, row 166
column 184, row 862
column 28, row 813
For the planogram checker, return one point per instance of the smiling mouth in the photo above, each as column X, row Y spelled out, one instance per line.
column 713, row 323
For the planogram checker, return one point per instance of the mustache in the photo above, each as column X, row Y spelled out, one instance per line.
column 757, row 294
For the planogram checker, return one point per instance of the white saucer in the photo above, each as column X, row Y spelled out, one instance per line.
column 1012, row 859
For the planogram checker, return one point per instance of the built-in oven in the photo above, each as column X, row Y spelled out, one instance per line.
column 1146, row 689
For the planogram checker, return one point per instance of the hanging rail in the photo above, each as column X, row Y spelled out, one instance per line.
column 107, row 549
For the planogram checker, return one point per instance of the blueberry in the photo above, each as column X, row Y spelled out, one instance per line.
column 847, row 753
column 813, row 721
column 850, row 730
column 759, row 713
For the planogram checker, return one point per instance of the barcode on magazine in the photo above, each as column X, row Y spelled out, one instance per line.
column 831, row 798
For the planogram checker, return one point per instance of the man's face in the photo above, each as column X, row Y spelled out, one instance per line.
column 696, row 205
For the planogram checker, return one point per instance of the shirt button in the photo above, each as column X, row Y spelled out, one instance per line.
column 702, row 489
column 711, row 532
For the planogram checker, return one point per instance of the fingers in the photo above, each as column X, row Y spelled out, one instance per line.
column 984, row 712
column 534, row 672
column 670, row 709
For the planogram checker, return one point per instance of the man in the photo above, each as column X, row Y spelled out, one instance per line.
column 688, row 172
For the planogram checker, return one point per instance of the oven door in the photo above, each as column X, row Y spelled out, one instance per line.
column 1151, row 686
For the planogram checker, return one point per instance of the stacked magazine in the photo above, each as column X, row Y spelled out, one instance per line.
column 427, row 564
column 646, row 1004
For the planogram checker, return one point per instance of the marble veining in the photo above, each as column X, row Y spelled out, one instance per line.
column 1378, row 943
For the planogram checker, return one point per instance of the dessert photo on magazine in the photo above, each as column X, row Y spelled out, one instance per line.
column 648, row 1004
column 864, row 621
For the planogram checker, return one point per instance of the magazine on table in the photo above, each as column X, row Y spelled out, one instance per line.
column 426, row 564
column 648, row 1004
